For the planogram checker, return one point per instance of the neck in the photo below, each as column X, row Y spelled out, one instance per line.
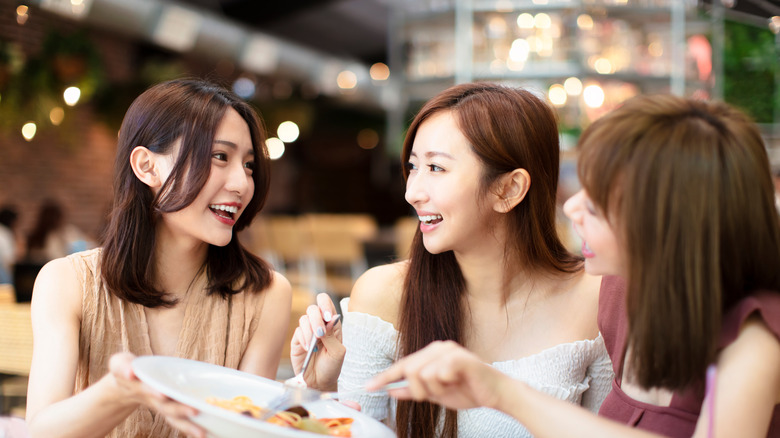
column 178, row 263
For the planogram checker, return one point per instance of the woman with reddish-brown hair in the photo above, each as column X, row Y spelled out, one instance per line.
column 487, row 270
column 677, row 212
column 172, row 279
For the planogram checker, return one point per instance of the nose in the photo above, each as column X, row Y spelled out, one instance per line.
column 573, row 206
column 239, row 180
column 415, row 189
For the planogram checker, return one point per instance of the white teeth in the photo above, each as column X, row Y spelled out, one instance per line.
column 227, row 208
column 429, row 218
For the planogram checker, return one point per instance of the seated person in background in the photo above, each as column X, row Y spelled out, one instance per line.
column 487, row 270
column 53, row 236
column 171, row 279
column 8, row 243
column 678, row 202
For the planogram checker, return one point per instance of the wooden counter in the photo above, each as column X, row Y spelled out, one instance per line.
column 15, row 335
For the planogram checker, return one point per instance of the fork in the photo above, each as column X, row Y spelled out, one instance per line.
column 294, row 396
column 298, row 381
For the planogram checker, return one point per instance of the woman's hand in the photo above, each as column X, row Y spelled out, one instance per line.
column 325, row 366
column 447, row 374
column 129, row 386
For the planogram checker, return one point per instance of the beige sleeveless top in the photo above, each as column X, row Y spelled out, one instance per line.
column 214, row 330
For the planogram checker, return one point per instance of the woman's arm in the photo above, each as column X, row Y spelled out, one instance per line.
column 52, row 409
column 446, row 373
column 264, row 350
column 748, row 384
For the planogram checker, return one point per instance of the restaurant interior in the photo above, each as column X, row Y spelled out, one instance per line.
column 336, row 82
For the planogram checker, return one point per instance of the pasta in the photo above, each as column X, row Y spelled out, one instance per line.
column 297, row 418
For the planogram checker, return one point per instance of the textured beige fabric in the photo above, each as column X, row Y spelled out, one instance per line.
column 214, row 330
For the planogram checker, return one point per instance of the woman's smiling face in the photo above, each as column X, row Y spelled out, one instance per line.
column 228, row 190
column 443, row 186
column 600, row 246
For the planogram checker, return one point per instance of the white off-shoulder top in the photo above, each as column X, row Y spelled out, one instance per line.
column 579, row 372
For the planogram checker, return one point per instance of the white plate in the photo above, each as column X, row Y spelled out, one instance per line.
column 191, row 382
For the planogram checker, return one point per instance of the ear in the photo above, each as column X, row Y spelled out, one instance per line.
column 144, row 165
column 512, row 188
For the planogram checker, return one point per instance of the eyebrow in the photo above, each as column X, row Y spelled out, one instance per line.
column 431, row 154
column 232, row 145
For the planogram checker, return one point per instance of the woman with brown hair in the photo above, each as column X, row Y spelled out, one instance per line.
column 677, row 202
column 487, row 269
column 171, row 279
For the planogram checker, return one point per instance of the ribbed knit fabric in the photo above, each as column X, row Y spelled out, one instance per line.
column 214, row 330
column 579, row 372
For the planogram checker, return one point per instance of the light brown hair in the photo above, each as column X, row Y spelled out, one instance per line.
column 687, row 185
column 190, row 110
column 507, row 128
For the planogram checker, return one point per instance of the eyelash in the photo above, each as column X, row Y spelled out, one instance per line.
column 433, row 167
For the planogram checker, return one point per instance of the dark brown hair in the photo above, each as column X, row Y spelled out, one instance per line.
column 507, row 128
column 688, row 187
column 190, row 110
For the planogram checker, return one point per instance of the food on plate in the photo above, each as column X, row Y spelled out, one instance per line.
column 296, row 417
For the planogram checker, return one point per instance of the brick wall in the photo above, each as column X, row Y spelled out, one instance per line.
column 71, row 163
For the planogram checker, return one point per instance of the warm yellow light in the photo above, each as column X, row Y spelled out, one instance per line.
column 594, row 96
column 76, row 2
column 557, row 94
column 72, row 95
column 585, row 22
column 573, row 86
column 28, row 130
column 603, row 66
column 519, row 51
column 56, row 115
column 22, row 10
column 21, row 14
column 655, row 49
column 367, row 138
column 525, row 21
column 379, row 71
column 542, row 21
column 288, row 131
column 346, row 80
column 275, row 148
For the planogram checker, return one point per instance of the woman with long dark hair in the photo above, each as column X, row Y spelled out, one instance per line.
column 677, row 211
column 487, row 269
column 171, row 279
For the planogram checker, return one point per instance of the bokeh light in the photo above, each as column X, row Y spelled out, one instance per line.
column 56, row 115
column 367, row 138
column 288, row 131
column 72, row 95
column 28, row 130
column 557, row 95
column 594, row 96
column 573, row 86
column 379, row 71
column 275, row 148
column 346, row 80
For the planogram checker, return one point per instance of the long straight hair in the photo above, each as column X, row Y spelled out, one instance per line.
column 507, row 128
column 687, row 186
column 187, row 110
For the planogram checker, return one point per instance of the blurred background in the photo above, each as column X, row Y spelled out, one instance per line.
column 336, row 82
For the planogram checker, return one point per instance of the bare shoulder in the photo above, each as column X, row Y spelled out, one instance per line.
column 758, row 343
column 57, row 290
column 378, row 291
column 278, row 290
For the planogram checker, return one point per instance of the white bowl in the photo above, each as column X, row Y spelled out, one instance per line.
column 191, row 382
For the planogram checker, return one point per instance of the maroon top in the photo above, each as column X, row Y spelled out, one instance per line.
column 679, row 418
